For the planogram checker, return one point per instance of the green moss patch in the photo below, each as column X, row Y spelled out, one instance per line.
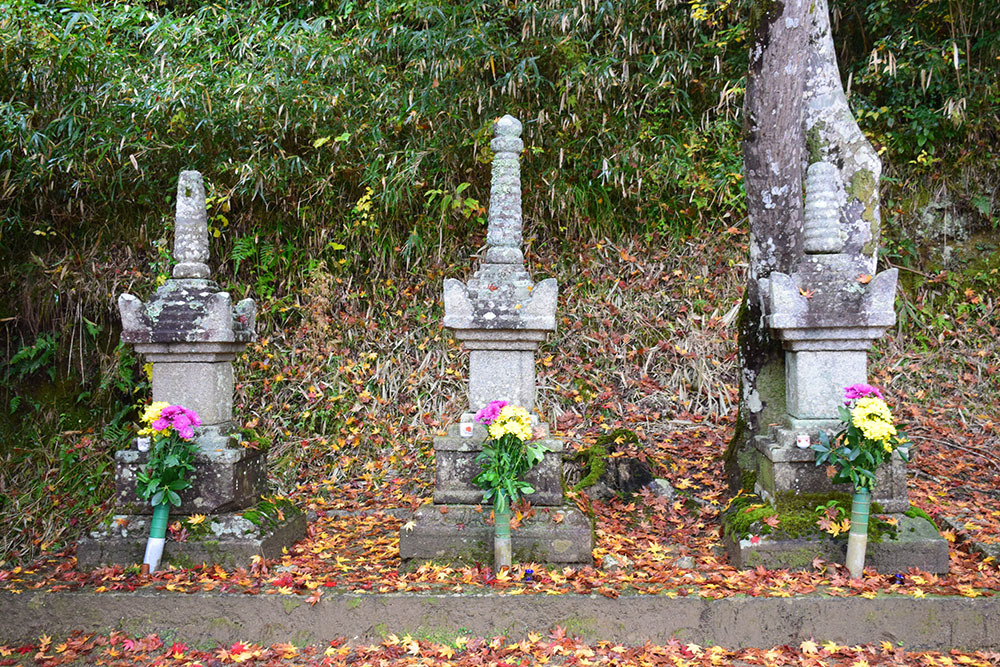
column 797, row 517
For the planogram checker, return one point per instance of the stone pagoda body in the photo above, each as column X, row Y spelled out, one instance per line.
column 501, row 317
column 191, row 333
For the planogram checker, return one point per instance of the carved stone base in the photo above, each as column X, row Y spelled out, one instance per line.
column 230, row 541
column 225, row 479
column 459, row 534
column 455, row 459
column 918, row 544
column 783, row 467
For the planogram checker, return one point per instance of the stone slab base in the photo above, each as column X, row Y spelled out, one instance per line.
column 231, row 541
column 785, row 468
column 459, row 533
column 455, row 461
column 918, row 544
column 224, row 480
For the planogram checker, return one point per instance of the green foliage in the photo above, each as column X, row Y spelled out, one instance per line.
column 856, row 456
column 171, row 459
column 31, row 359
column 270, row 512
column 504, row 463
column 924, row 88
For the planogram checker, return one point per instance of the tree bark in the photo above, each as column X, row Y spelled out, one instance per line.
column 773, row 150
column 795, row 113
column 832, row 135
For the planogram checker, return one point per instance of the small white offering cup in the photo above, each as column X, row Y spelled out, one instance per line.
column 465, row 426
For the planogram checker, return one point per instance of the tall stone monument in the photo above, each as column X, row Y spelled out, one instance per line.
column 501, row 317
column 191, row 333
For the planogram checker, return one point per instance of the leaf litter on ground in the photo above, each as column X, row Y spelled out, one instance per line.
column 646, row 342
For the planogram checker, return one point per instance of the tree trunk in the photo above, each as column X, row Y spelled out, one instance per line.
column 795, row 113
column 832, row 135
column 773, row 149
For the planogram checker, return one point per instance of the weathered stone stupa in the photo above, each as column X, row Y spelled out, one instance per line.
column 191, row 333
column 501, row 317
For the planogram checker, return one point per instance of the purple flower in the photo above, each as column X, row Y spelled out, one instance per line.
column 490, row 412
column 861, row 390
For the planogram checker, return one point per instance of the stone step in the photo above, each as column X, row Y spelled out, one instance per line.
column 932, row 623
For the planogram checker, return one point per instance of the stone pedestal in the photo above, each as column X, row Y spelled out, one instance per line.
column 783, row 467
column 455, row 460
column 461, row 534
column 227, row 479
column 916, row 544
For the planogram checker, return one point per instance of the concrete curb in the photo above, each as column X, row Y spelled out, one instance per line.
column 207, row 619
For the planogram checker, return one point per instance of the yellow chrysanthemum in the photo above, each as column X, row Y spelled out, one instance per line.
column 514, row 420
column 152, row 411
column 873, row 418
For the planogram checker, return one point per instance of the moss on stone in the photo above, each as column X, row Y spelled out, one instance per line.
column 797, row 517
column 814, row 145
column 863, row 187
column 915, row 512
column 595, row 460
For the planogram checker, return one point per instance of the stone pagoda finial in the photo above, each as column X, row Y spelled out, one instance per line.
column 821, row 218
column 504, row 232
column 191, row 228
column 500, row 314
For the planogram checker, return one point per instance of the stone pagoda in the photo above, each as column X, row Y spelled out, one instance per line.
column 191, row 333
column 501, row 317
column 827, row 313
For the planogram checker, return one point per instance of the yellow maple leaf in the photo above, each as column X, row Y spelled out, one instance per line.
column 809, row 646
column 285, row 650
column 446, row 652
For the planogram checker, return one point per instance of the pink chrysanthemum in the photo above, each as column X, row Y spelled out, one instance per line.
column 180, row 419
column 861, row 390
column 490, row 412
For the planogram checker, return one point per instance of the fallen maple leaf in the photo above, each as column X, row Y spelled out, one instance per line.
column 864, row 278
column 809, row 646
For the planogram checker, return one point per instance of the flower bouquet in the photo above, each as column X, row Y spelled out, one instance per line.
column 170, row 429
column 867, row 440
column 507, row 455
